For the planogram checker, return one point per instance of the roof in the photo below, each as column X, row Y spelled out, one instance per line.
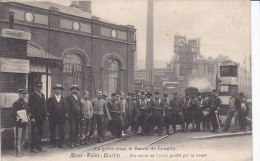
column 64, row 9
column 69, row 10
column 33, row 52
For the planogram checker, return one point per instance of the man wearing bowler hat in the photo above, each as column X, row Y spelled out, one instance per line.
column 37, row 109
column 75, row 115
column 58, row 113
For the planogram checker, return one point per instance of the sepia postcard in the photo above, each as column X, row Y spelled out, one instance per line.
column 126, row 80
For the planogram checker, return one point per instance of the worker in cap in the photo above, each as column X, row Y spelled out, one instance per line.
column 87, row 113
column 20, row 115
column 157, row 114
column 215, row 104
column 143, row 114
column 167, row 113
column 234, row 109
column 177, row 112
column 37, row 106
column 115, row 124
column 58, row 112
column 100, row 111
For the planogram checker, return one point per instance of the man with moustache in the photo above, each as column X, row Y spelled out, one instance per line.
column 87, row 112
column 37, row 109
column 98, row 119
column 75, row 115
column 58, row 113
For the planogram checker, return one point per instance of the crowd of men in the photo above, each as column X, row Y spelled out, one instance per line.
column 142, row 111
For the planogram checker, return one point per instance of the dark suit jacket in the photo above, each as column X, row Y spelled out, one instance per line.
column 37, row 108
column 53, row 109
column 75, row 108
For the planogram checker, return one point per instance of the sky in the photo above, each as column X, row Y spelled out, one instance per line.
column 222, row 25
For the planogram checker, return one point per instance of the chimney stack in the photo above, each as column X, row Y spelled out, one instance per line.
column 84, row 5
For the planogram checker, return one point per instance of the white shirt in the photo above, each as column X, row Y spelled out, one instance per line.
column 75, row 96
column 57, row 98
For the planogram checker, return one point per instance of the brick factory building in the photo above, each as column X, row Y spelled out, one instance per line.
column 61, row 44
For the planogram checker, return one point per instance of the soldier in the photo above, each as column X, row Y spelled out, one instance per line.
column 58, row 113
column 115, row 125
column 157, row 114
column 75, row 115
column 177, row 111
column 143, row 114
column 213, row 111
column 37, row 109
column 167, row 113
column 87, row 112
column 20, row 114
column 99, row 111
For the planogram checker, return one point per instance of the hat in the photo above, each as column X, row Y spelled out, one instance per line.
column 118, row 91
column 214, row 90
column 149, row 94
column 75, row 87
column 142, row 92
column 58, row 86
column 240, row 93
column 156, row 92
column 174, row 93
column 22, row 91
column 113, row 94
column 38, row 84
column 99, row 92
column 165, row 95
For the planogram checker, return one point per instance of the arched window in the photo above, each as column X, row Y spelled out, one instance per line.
column 112, row 75
column 74, row 70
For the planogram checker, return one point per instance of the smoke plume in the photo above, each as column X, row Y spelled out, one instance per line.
column 203, row 84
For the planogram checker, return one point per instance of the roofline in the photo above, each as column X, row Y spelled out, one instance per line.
column 93, row 19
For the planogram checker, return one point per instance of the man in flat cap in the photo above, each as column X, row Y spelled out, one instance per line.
column 124, row 109
column 167, row 113
column 98, row 119
column 20, row 114
column 157, row 114
column 234, row 109
column 37, row 109
column 58, row 110
column 213, row 111
column 130, row 104
column 75, row 115
column 115, row 125
column 177, row 112
column 143, row 115
column 87, row 112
